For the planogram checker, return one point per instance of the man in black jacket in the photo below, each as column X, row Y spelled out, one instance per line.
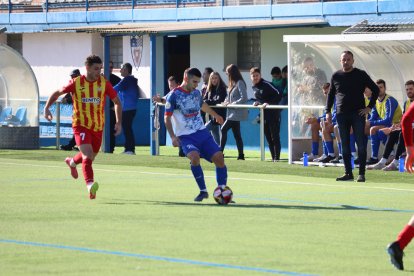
column 265, row 93
column 347, row 87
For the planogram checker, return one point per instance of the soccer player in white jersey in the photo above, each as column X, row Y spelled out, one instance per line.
column 186, row 129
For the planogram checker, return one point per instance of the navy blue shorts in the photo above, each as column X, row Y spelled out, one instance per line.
column 200, row 141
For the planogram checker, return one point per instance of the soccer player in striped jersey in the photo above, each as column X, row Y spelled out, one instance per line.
column 88, row 92
column 186, row 129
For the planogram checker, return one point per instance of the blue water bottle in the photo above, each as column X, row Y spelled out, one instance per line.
column 352, row 162
column 305, row 159
column 401, row 164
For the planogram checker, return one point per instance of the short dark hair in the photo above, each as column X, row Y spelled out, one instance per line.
column 409, row 82
column 190, row 72
column 379, row 81
column 254, row 70
column 93, row 59
column 209, row 70
column 275, row 71
column 347, row 52
column 172, row 78
column 128, row 66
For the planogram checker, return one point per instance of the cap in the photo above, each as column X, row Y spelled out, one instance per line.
column 75, row 73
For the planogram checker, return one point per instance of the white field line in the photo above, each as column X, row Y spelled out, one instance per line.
column 231, row 178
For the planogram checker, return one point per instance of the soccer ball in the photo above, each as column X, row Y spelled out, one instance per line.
column 223, row 196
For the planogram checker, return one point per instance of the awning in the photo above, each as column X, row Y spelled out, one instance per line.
column 190, row 26
column 395, row 25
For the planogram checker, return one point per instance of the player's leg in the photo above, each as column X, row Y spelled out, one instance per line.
column 375, row 144
column 189, row 146
column 344, row 124
column 224, row 130
column 395, row 249
column 235, row 127
column 326, row 133
column 269, row 139
column 358, row 124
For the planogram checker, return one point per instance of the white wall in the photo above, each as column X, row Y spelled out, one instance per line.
column 53, row 56
column 3, row 38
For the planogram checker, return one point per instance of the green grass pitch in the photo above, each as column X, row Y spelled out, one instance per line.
column 287, row 219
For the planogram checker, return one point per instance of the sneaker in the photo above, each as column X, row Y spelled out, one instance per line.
column 92, row 191
column 390, row 167
column 311, row 157
column 73, row 170
column 336, row 160
column 327, row 159
column 129, row 153
column 361, row 178
column 372, row 161
column 378, row 166
column 240, row 157
column 396, row 255
column 345, row 177
column 323, row 156
column 390, row 159
column 201, row 196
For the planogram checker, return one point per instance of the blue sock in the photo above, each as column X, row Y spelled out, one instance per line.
column 352, row 142
column 221, row 176
column 375, row 143
column 315, row 148
column 325, row 149
column 199, row 177
column 329, row 146
column 340, row 148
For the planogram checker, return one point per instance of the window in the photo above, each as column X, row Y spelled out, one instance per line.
column 248, row 49
column 116, row 51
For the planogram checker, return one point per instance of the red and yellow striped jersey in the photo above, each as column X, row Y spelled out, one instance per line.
column 89, row 101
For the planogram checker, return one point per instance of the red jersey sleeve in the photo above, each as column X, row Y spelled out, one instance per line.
column 110, row 91
column 69, row 88
column 407, row 126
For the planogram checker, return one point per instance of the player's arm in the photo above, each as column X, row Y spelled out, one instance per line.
column 51, row 100
column 206, row 108
column 118, row 115
column 169, row 127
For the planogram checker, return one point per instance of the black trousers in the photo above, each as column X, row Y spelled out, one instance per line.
column 235, row 127
column 395, row 137
column 112, row 120
column 127, row 119
column 357, row 122
column 272, row 134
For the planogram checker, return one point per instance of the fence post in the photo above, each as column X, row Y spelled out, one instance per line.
column 57, row 124
column 262, row 149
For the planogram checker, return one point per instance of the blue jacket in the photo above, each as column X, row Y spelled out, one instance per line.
column 127, row 90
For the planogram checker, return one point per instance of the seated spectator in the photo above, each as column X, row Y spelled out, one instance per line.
column 394, row 137
column 385, row 113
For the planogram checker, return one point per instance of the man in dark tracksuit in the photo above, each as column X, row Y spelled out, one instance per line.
column 265, row 93
column 347, row 87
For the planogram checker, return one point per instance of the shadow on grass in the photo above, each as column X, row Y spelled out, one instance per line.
column 254, row 206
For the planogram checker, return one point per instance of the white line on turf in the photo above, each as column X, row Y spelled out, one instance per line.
column 230, row 178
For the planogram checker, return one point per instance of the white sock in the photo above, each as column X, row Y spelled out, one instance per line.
column 89, row 186
column 383, row 160
column 72, row 163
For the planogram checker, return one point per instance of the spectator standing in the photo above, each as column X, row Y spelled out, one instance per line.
column 172, row 84
column 186, row 129
column 216, row 93
column 347, row 88
column 88, row 117
column 128, row 91
column 68, row 100
column 237, row 94
column 266, row 93
column 114, row 80
column 206, row 76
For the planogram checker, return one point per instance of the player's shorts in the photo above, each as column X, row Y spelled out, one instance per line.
column 86, row 136
column 200, row 141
